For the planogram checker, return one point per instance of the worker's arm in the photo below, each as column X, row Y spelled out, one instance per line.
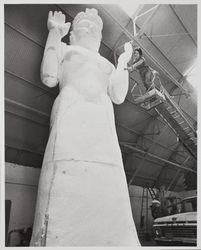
column 135, row 65
column 118, row 86
column 52, row 53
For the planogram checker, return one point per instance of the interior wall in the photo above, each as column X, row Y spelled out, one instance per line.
column 135, row 193
column 21, row 188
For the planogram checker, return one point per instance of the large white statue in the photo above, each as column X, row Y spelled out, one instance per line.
column 82, row 196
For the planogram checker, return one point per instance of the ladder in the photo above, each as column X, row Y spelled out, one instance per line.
column 144, row 230
column 172, row 114
column 152, row 193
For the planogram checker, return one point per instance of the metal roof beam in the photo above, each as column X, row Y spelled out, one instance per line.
column 158, row 158
column 45, row 89
column 28, row 150
column 23, row 106
column 147, row 138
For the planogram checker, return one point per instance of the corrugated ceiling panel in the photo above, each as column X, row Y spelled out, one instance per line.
column 18, row 109
column 124, row 135
column 162, row 24
column 128, row 114
column 179, row 49
column 149, row 169
column 155, row 148
column 184, row 54
column 31, row 19
column 116, row 12
column 22, row 56
column 22, row 132
column 20, row 91
column 112, row 18
column 124, row 37
column 165, row 135
column 188, row 16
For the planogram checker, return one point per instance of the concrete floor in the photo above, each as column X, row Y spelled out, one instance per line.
column 148, row 242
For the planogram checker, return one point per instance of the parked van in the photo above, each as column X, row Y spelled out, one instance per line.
column 179, row 229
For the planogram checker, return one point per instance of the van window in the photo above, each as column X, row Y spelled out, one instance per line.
column 189, row 205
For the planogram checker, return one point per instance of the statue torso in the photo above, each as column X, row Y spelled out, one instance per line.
column 84, row 70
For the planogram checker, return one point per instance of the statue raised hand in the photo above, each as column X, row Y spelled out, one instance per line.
column 57, row 20
column 125, row 57
column 58, row 28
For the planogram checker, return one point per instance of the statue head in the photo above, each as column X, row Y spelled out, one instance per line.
column 87, row 30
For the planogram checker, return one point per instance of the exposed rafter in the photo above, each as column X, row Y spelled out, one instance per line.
column 158, row 158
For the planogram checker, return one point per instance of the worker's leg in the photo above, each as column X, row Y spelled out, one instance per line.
column 149, row 80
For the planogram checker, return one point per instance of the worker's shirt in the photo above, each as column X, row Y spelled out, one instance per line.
column 142, row 67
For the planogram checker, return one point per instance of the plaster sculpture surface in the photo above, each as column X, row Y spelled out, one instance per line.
column 82, row 196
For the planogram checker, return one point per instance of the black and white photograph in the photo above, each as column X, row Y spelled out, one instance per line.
column 100, row 125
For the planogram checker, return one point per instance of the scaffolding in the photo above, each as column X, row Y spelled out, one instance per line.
column 171, row 113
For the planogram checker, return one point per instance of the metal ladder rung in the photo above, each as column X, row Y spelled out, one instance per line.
column 169, row 107
column 190, row 142
column 191, row 138
column 181, row 122
column 187, row 132
column 133, row 87
column 185, row 128
column 176, row 116
column 173, row 112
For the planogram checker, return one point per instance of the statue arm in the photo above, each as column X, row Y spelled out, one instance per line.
column 50, row 62
column 118, row 86
column 53, row 48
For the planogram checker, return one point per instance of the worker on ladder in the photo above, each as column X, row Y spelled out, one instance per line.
column 147, row 74
column 155, row 209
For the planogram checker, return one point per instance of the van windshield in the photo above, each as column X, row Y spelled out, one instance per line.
column 189, row 205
